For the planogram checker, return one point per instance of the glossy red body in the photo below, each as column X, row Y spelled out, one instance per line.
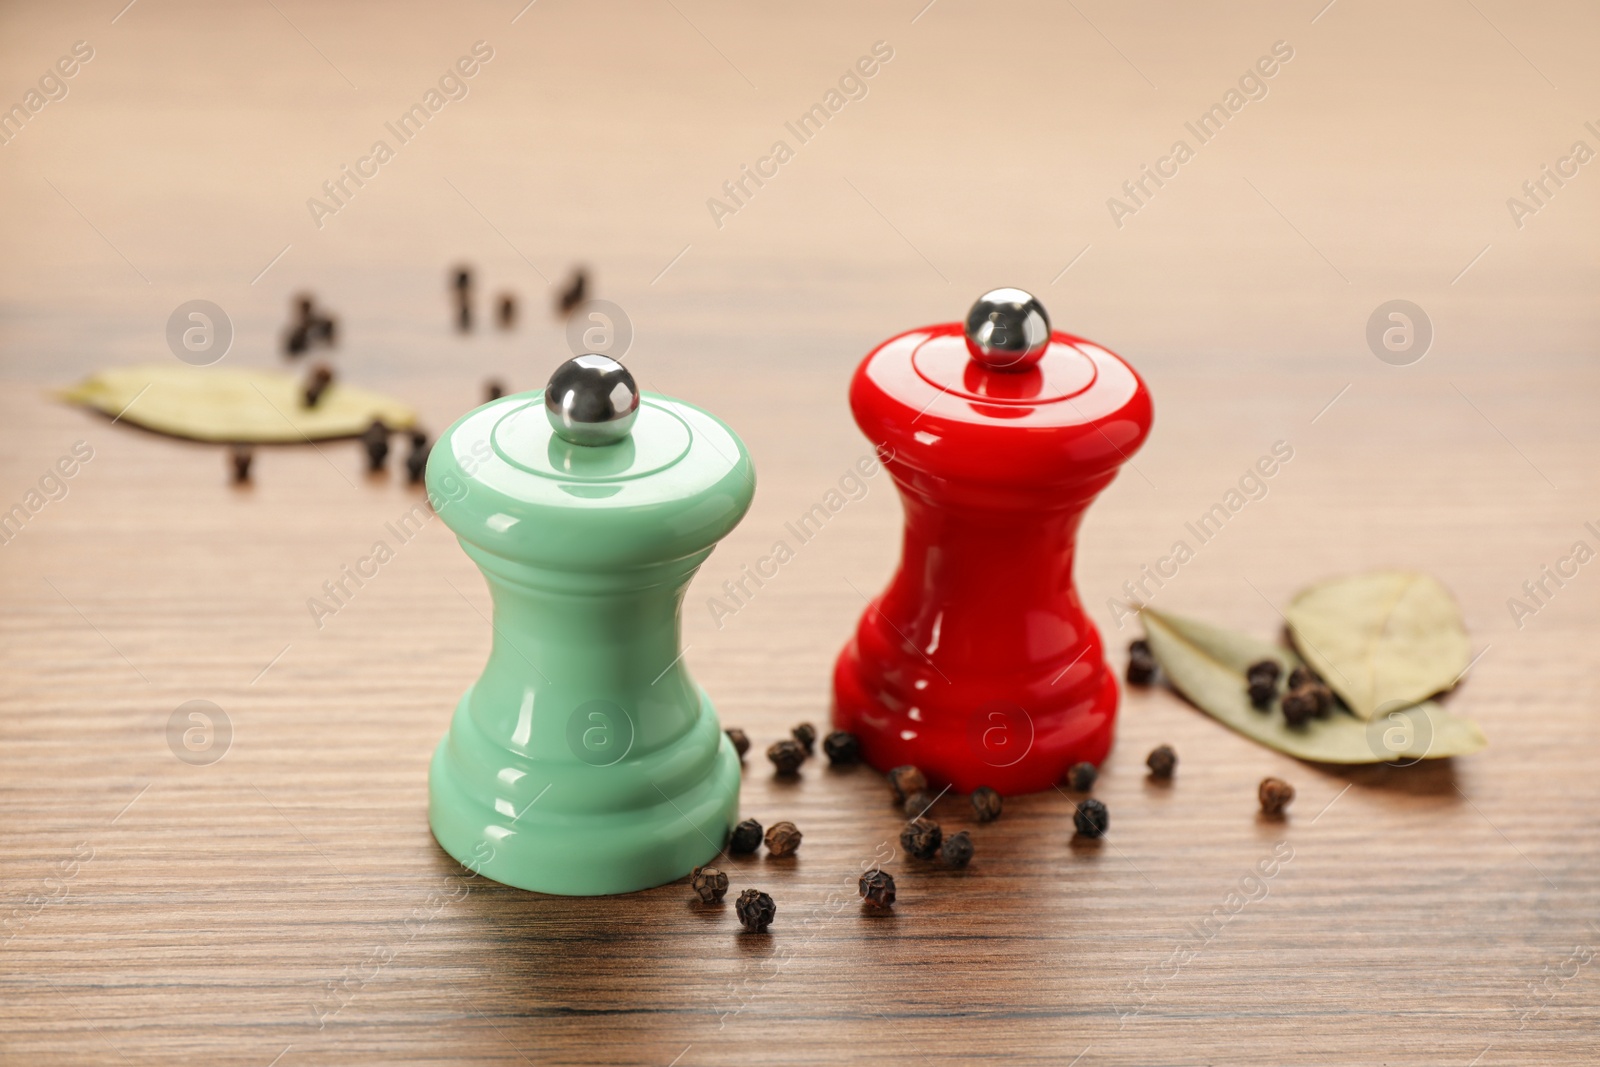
column 978, row 663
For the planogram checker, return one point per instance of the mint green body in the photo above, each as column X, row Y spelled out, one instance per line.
column 585, row 759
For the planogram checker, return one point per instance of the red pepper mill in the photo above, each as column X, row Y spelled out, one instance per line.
column 978, row 664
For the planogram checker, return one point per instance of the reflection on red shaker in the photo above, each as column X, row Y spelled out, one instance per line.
column 978, row 664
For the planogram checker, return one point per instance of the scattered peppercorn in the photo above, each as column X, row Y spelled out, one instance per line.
column 1314, row 694
column 806, row 734
column 957, row 849
column 417, row 461
column 1274, row 794
column 326, row 329
column 462, row 283
column 1141, row 663
column 376, row 440
column 741, row 741
column 782, row 839
column 877, row 888
column 493, row 389
column 917, row 803
column 1161, row 761
column 786, row 756
column 1091, row 818
column 710, row 884
column 746, row 838
column 1262, row 679
column 842, row 748
column 571, row 296
column 317, row 383
column 921, row 838
column 240, row 458
column 905, row 780
column 1265, row 669
column 507, row 311
column 1299, row 705
column 309, row 328
column 986, row 804
column 1082, row 776
column 756, row 910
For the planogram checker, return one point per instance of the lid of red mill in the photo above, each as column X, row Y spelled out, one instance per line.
column 1002, row 398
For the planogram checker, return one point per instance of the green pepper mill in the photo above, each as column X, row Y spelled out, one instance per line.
column 585, row 759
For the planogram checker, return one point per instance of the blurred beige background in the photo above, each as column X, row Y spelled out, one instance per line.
column 990, row 142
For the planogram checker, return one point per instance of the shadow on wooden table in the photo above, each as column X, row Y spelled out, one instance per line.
column 1427, row 778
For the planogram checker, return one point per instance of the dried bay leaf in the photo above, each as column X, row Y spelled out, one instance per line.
column 1206, row 664
column 233, row 404
column 1382, row 640
column 1228, row 648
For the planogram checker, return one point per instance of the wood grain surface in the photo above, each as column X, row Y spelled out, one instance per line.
column 286, row 904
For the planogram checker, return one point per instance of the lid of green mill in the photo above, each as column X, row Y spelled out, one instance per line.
column 589, row 474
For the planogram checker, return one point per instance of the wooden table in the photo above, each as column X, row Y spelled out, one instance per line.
column 286, row 904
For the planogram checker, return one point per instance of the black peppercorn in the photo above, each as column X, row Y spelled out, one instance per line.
column 1082, row 777
column 786, row 756
column 782, row 839
column 1274, row 794
column 493, row 389
column 1299, row 705
column 1161, row 761
column 417, row 461
column 877, row 888
column 326, row 329
column 1266, row 670
column 240, row 457
column 463, row 296
column 317, row 383
column 1323, row 696
column 1262, row 682
column 573, row 294
column 1091, row 818
column 806, row 734
column 755, row 910
column 1300, row 676
column 298, row 340
column 710, row 884
column 1141, row 663
column 921, row 838
column 917, row 804
column 741, row 742
column 986, row 804
column 956, row 850
column 507, row 311
column 745, row 839
column 376, row 440
column 842, row 748
column 905, row 780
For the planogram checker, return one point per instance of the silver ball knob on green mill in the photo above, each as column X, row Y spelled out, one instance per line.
column 591, row 400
